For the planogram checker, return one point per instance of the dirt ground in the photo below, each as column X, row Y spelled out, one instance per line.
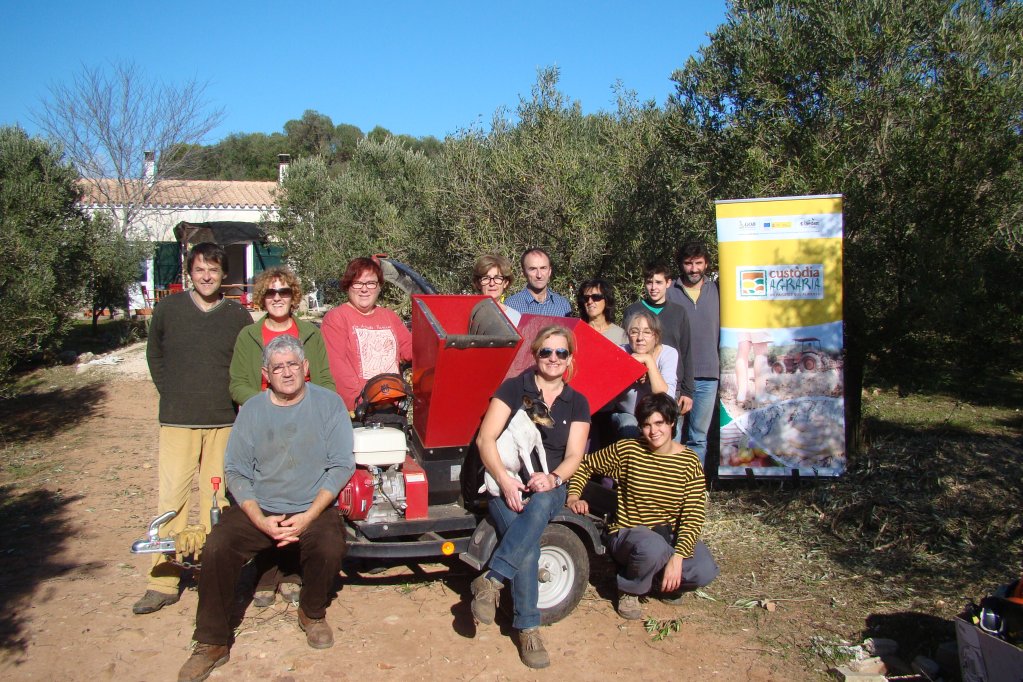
column 82, row 486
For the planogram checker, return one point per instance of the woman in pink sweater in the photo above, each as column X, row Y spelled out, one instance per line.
column 363, row 339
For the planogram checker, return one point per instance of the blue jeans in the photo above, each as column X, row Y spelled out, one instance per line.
column 705, row 392
column 517, row 557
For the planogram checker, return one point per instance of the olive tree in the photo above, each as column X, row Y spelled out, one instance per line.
column 911, row 110
column 548, row 175
column 47, row 246
column 380, row 202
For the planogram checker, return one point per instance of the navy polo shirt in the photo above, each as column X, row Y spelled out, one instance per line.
column 570, row 406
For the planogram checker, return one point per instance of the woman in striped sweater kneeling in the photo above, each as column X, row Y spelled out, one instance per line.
column 660, row 512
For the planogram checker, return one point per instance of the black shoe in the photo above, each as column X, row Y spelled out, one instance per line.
column 152, row 601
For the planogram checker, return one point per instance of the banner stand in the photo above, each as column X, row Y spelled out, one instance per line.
column 781, row 390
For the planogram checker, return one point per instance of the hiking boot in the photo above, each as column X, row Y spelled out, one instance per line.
column 204, row 658
column 264, row 598
column 289, row 592
column 531, row 649
column 628, row 606
column 485, row 593
column 152, row 601
column 317, row 633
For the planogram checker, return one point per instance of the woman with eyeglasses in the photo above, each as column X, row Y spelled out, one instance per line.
column 277, row 291
column 491, row 276
column 596, row 303
column 526, row 505
column 363, row 339
column 644, row 330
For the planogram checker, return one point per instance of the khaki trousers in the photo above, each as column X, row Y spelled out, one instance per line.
column 183, row 453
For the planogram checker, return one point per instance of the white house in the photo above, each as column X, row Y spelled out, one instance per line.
column 175, row 213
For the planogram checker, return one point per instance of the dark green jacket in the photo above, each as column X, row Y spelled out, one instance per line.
column 247, row 363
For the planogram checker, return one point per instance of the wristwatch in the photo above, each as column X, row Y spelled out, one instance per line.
column 557, row 481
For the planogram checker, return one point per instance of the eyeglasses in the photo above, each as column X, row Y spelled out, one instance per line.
column 562, row 353
column 370, row 286
column 641, row 332
column 279, row 369
column 283, row 292
column 495, row 279
column 593, row 297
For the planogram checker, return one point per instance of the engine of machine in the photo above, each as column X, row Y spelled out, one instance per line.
column 387, row 485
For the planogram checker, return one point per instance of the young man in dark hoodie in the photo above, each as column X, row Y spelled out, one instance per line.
column 675, row 331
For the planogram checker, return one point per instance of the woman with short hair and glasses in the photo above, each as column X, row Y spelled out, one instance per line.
column 526, row 505
column 277, row 291
column 491, row 276
column 596, row 303
column 363, row 339
column 661, row 362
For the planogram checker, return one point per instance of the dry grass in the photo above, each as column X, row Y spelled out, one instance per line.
column 925, row 520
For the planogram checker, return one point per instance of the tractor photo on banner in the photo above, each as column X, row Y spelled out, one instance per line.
column 782, row 401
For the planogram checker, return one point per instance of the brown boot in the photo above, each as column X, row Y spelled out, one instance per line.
column 264, row 598
column 317, row 633
column 485, row 595
column 204, row 658
column 531, row 649
column 628, row 606
column 153, row 601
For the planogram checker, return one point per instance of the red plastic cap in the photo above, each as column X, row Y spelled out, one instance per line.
column 216, row 482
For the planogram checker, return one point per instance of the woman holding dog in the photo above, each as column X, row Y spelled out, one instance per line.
column 520, row 522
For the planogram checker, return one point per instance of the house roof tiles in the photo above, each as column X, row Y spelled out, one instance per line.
column 181, row 193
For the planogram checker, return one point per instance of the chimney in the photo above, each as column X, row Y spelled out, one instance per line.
column 283, row 161
column 149, row 167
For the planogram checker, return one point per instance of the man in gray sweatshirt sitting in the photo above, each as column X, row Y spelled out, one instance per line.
column 288, row 457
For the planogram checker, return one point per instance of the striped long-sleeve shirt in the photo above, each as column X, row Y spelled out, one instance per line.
column 653, row 489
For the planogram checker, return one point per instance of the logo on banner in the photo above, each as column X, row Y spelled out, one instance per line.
column 781, row 282
column 753, row 284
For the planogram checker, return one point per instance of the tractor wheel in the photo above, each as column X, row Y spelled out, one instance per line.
column 778, row 367
column 810, row 362
column 564, row 572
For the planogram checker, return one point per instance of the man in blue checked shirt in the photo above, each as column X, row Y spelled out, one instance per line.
column 537, row 298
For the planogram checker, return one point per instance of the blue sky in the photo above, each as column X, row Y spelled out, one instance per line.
column 419, row 68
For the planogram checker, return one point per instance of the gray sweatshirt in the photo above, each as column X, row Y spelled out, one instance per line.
column 704, row 325
column 281, row 457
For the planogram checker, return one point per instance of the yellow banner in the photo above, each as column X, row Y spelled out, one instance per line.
column 779, row 207
column 781, row 390
column 777, row 259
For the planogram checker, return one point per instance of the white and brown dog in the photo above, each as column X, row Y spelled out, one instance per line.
column 517, row 442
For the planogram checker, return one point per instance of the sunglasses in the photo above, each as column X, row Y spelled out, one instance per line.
column 593, row 297
column 283, row 292
column 562, row 353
